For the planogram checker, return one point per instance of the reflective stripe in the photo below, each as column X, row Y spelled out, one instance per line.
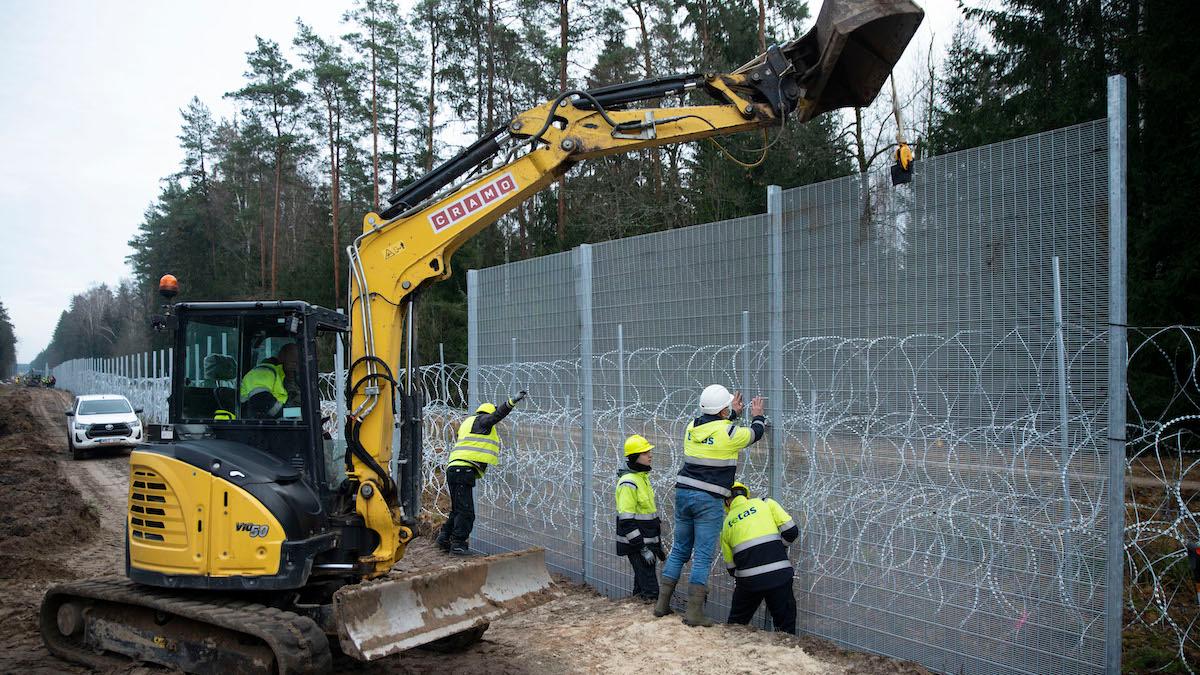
column 472, row 448
column 632, row 535
column 626, row 483
column 651, row 540
column 646, row 516
column 732, row 430
column 684, row 480
column 730, row 565
column 624, row 516
column 461, row 463
column 787, row 526
column 756, row 541
column 479, row 439
column 763, row 569
column 703, row 461
column 254, row 391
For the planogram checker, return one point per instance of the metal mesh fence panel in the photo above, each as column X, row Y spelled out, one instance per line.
column 528, row 325
column 945, row 455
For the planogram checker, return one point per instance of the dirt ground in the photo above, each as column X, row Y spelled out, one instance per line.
column 61, row 519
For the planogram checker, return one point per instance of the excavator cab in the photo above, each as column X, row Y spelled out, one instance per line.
column 250, row 373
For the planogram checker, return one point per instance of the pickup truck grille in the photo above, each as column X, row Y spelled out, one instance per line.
column 102, row 430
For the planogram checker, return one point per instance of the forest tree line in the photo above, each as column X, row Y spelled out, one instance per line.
column 265, row 201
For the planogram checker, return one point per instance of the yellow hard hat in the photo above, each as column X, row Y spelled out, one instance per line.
column 739, row 487
column 486, row 408
column 636, row 444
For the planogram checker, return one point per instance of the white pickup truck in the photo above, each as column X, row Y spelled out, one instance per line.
column 102, row 421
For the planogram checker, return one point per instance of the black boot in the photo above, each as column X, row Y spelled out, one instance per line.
column 460, row 548
column 443, row 541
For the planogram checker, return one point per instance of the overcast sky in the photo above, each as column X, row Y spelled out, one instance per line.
column 90, row 94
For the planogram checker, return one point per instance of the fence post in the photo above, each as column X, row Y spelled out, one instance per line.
column 774, row 404
column 1064, row 451
column 472, row 339
column 621, row 379
column 583, row 294
column 444, row 389
column 745, row 377
column 512, row 370
column 1114, row 590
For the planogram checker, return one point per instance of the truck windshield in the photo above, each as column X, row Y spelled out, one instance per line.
column 104, row 407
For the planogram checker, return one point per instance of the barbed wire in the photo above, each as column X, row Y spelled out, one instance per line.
column 918, row 464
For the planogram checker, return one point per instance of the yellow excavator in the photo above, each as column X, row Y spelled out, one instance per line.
column 254, row 543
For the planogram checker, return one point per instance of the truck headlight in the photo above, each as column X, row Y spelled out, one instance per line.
column 136, row 424
column 80, row 427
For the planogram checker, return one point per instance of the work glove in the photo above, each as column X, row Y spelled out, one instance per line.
column 519, row 397
column 658, row 552
column 647, row 555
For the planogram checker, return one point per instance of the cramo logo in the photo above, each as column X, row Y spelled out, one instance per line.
column 472, row 202
column 254, row 530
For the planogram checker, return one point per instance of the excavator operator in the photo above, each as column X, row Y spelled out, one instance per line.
column 271, row 385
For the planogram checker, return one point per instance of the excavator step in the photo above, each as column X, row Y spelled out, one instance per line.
column 105, row 622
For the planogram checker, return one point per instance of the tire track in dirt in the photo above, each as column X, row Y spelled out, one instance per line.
column 102, row 480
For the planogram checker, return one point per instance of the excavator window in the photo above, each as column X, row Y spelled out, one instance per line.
column 211, row 370
column 271, row 386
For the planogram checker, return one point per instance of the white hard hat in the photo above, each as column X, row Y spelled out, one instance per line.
column 714, row 399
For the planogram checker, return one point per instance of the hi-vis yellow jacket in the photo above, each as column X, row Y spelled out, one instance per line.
column 265, row 377
column 710, row 453
column 637, row 514
column 477, row 450
column 752, row 543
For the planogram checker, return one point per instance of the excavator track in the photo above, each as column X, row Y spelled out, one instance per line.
column 84, row 621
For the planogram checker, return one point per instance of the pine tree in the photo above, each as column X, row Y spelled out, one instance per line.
column 331, row 79
column 8, row 344
column 273, row 94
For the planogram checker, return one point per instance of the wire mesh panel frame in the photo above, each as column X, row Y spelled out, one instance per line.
column 906, row 342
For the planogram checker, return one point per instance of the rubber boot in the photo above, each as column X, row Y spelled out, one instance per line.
column 666, row 588
column 694, row 616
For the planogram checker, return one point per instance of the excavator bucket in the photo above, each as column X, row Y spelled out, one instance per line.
column 383, row 617
column 846, row 57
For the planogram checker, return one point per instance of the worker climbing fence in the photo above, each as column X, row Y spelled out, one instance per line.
column 937, row 358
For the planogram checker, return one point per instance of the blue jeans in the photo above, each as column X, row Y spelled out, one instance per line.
column 698, row 519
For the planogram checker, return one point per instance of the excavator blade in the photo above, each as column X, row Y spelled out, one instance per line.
column 846, row 57
column 378, row 618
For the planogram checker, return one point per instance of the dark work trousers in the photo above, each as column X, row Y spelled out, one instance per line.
column 645, row 583
column 461, row 481
column 780, row 603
